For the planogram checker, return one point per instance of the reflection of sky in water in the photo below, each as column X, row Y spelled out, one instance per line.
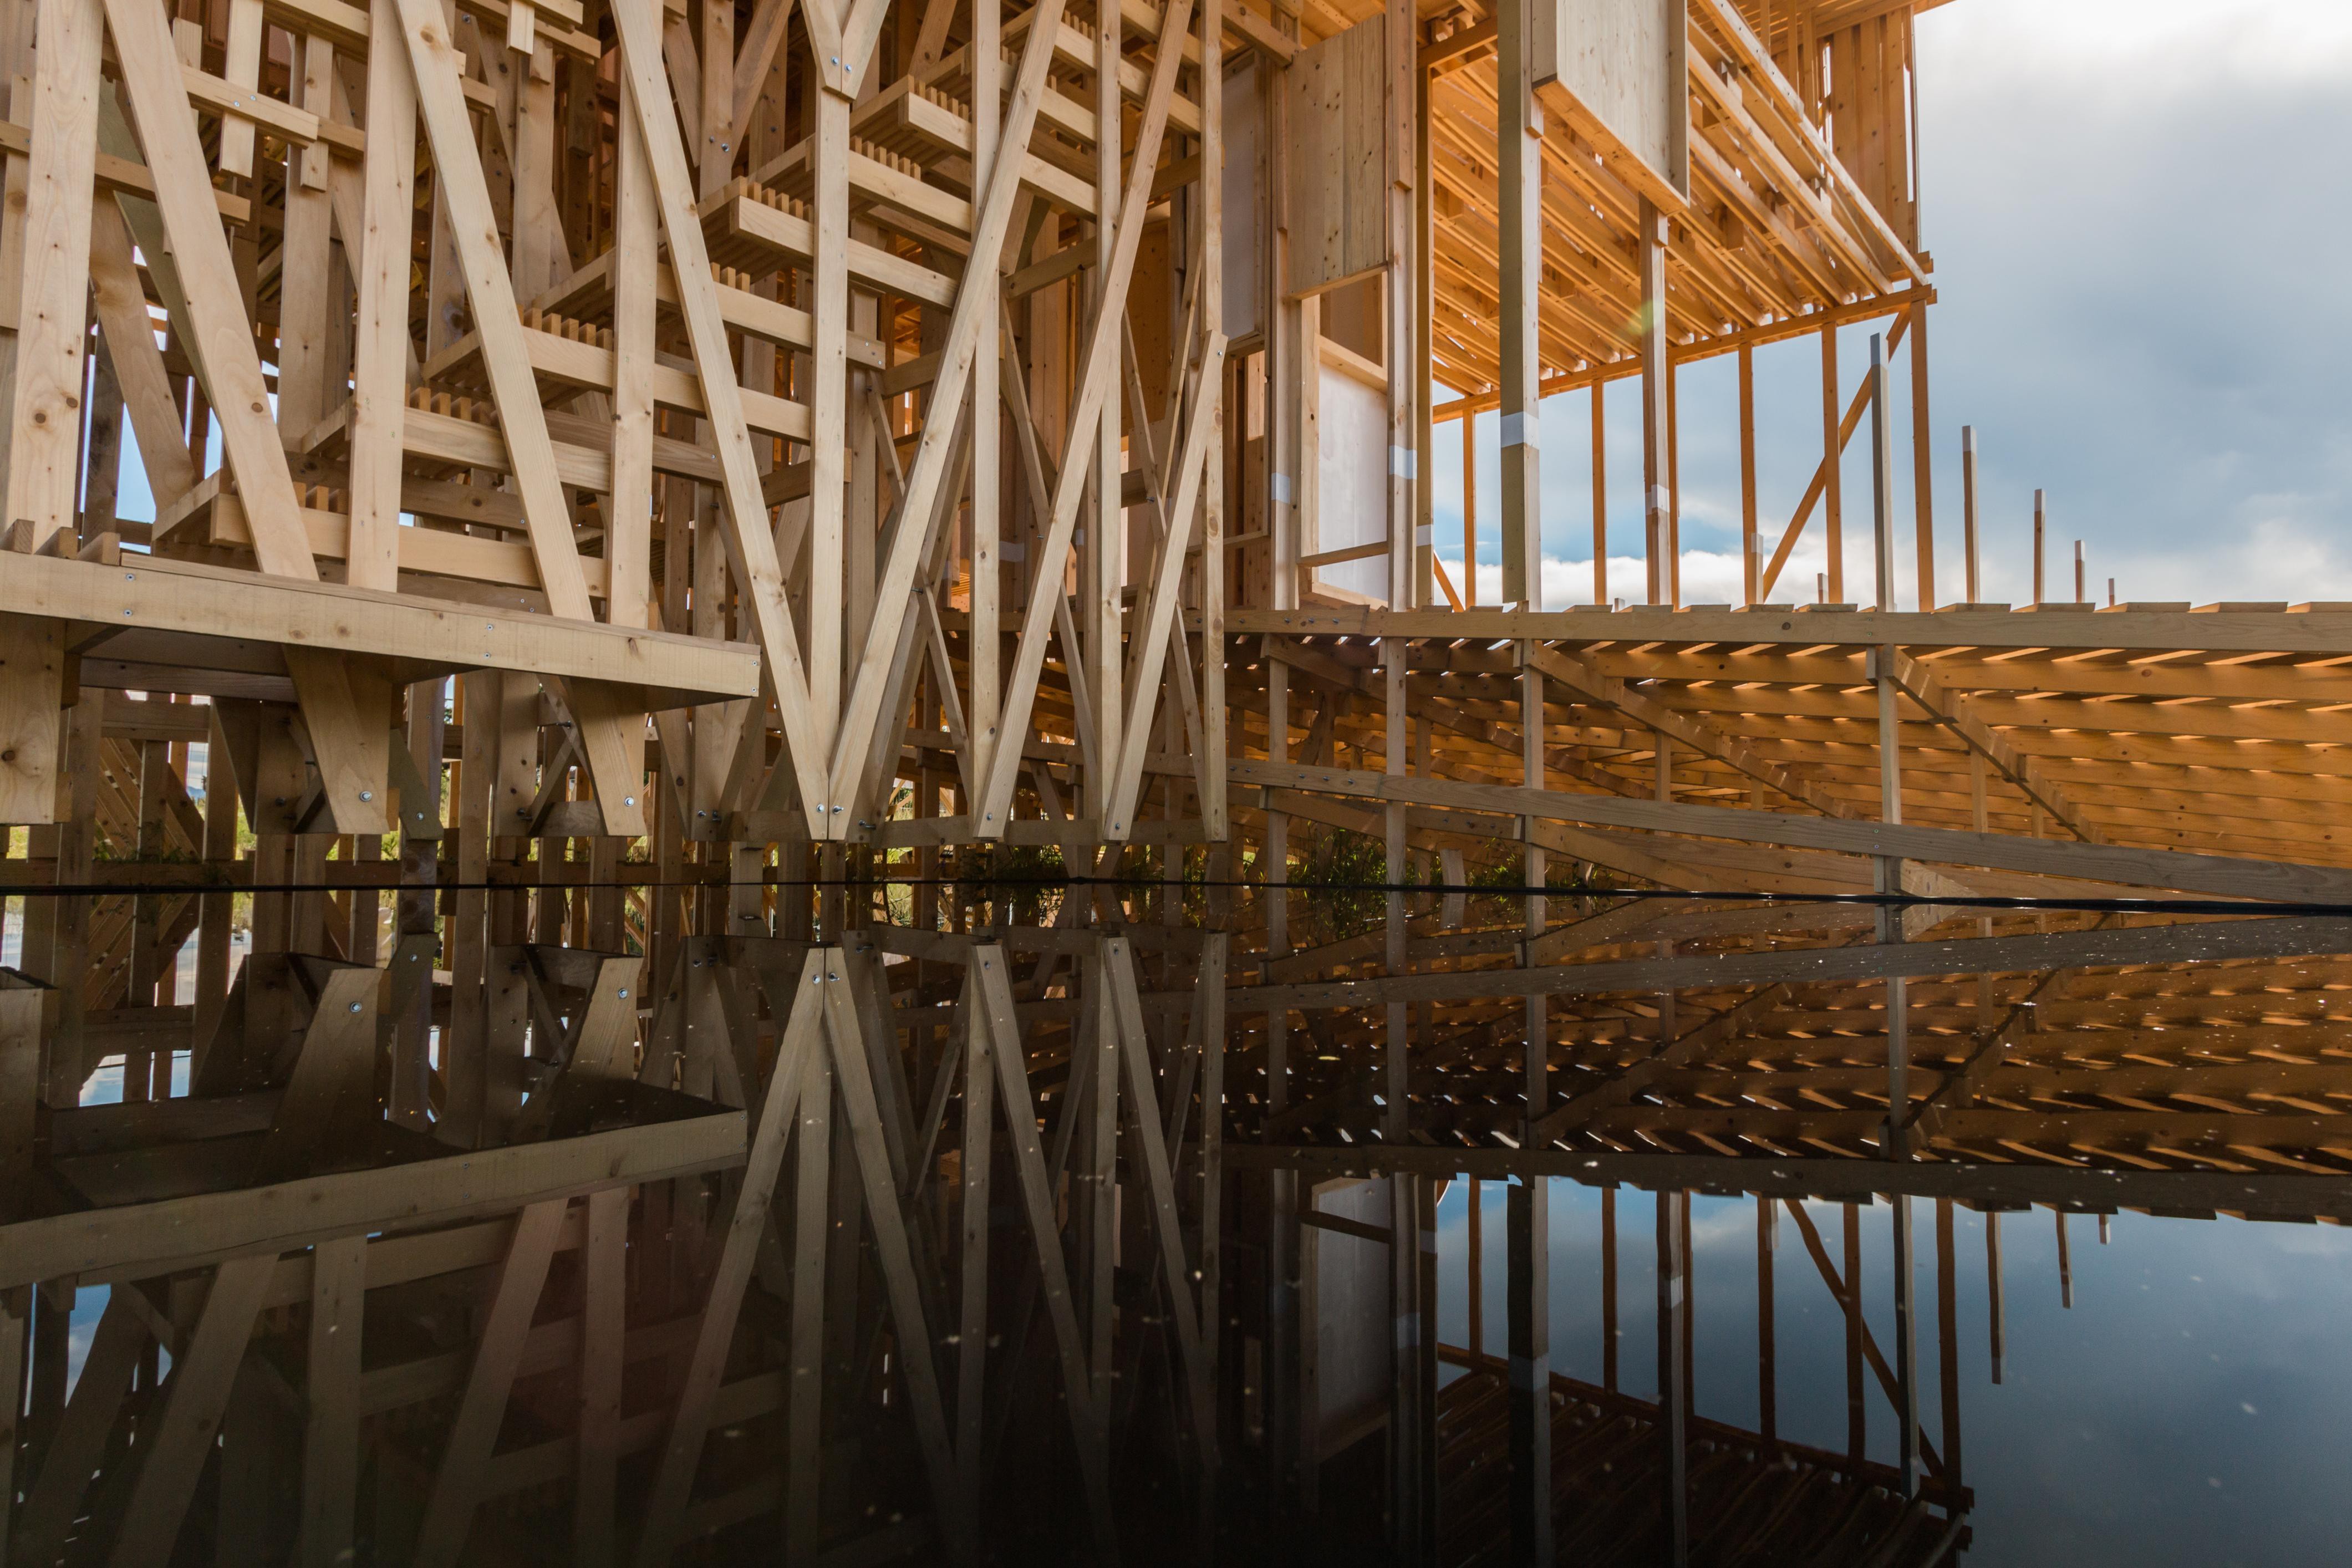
column 104, row 1086
column 2190, row 1409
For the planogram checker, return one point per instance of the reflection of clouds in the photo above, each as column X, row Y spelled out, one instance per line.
column 89, row 1306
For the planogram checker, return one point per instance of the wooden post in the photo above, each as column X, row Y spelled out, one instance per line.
column 52, row 335
column 1473, row 1274
column 1528, row 1219
column 1519, row 152
column 1833, row 483
column 1410, row 124
column 1673, row 1385
column 1657, row 402
column 1768, row 1379
column 1906, row 1348
column 1469, row 511
column 1969, row 508
column 1215, row 649
column 1104, row 573
column 1599, row 493
column 331, row 1422
column 1856, row 1409
column 1923, row 477
column 2040, row 533
column 829, row 400
column 1749, row 562
column 1406, row 357
column 976, row 1160
column 1286, row 364
column 1947, row 1340
column 1994, row 1313
column 2065, row 1264
column 1674, row 483
column 986, row 645
column 1609, row 1288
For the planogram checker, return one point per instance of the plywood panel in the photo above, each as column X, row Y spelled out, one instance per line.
column 1244, row 194
column 1336, row 160
column 1353, row 1335
column 1351, row 474
column 1620, row 67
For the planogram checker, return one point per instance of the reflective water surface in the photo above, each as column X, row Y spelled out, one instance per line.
column 1141, row 1223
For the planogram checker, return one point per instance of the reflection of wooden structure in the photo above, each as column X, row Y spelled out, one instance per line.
column 2153, row 1048
column 627, row 1318
column 585, row 438
column 2087, row 1061
column 1781, row 1502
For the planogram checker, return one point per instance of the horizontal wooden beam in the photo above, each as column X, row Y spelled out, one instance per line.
column 206, row 1228
column 2217, row 876
column 210, row 601
column 2195, row 942
column 2313, row 628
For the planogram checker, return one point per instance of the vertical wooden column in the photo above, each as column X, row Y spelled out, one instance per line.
column 1609, row 1330
column 1947, row 1341
column 1518, row 154
column 1673, row 1384
column 1888, row 868
column 1922, row 475
column 2041, row 542
column 1474, row 1271
column 1286, row 365
column 1214, row 716
column 1209, row 1022
column 1674, row 483
column 1422, row 274
column 976, row 1160
column 147, row 957
column 1404, row 353
column 381, row 352
column 1277, row 847
column 984, row 648
column 1906, row 1347
column 603, row 1312
column 829, row 416
column 1599, row 493
column 77, row 855
column 1969, row 511
column 1285, row 374
column 1995, row 1313
column 1105, row 573
column 421, row 835
column 44, row 454
column 215, row 939
column 1657, row 404
column 1832, row 463
column 1469, row 511
column 1857, row 1431
column 466, row 935
column 1750, row 565
column 15, row 1313
column 331, row 1446
column 1527, row 1223
column 1768, row 1375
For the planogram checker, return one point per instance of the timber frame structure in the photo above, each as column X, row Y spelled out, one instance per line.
column 628, row 475
column 695, row 453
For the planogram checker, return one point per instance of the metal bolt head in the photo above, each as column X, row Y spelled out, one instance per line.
column 355, row 1006
column 367, row 795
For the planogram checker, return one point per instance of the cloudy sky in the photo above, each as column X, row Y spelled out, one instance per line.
column 2135, row 208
